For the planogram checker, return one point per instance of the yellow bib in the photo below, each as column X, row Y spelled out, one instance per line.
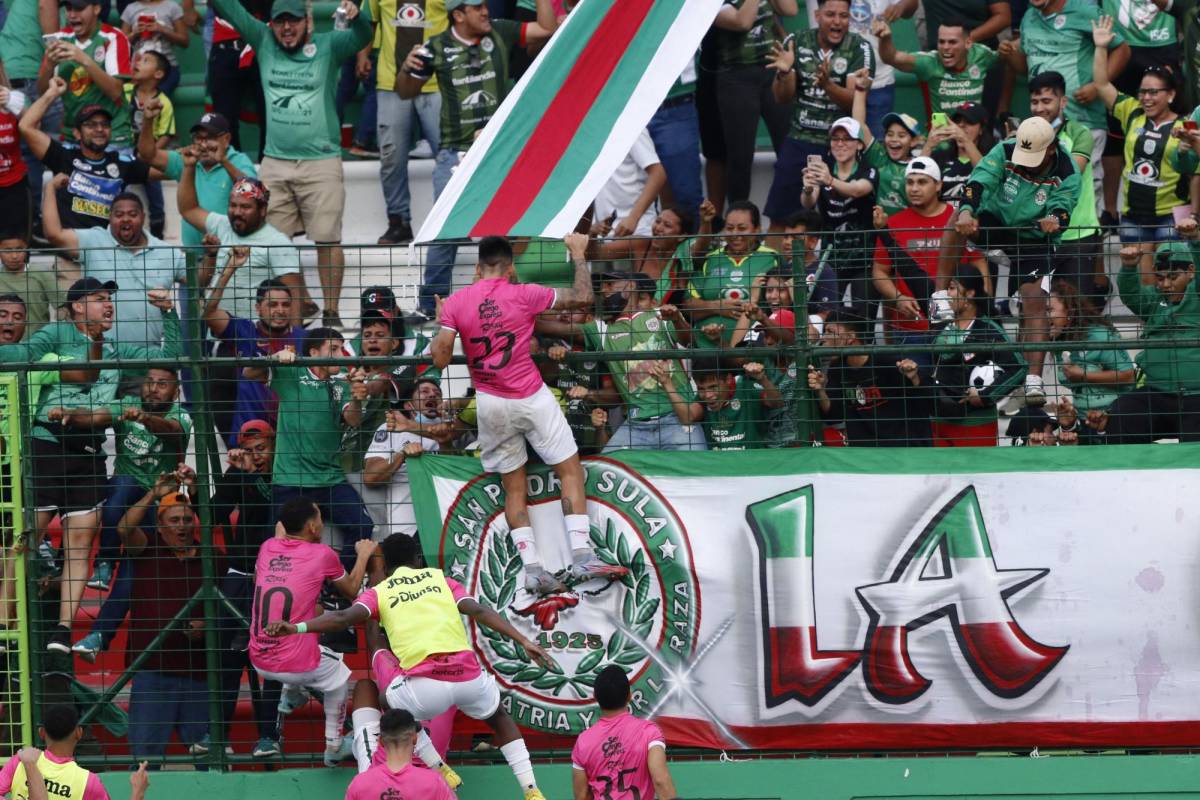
column 419, row 615
column 67, row 780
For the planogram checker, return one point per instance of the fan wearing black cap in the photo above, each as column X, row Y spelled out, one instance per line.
column 69, row 475
column 93, row 59
column 219, row 164
column 98, row 173
column 958, row 145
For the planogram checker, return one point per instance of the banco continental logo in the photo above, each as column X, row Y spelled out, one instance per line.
column 653, row 610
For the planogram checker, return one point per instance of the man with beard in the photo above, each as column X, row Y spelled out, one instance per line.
column 152, row 435
column 271, row 253
column 69, row 465
column 235, row 399
column 955, row 72
column 98, row 172
column 219, row 163
column 302, row 162
column 125, row 255
column 12, row 318
column 406, row 434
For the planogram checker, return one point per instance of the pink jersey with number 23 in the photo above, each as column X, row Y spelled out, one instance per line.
column 494, row 319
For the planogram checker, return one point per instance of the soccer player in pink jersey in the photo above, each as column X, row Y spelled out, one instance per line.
column 421, row 611
column 398, row 776
column 494, row 316
column 621, row 757
column 288, row 576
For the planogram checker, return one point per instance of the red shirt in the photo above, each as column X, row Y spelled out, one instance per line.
column 12, row 166
column 921, row 238
column 162, row 584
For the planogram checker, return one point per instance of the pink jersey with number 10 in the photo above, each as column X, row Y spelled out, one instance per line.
column 494, row 319
column 612, row 753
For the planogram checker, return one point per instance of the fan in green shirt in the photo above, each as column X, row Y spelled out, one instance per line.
column 953, row 74
column 735, row 405
column 890, row 156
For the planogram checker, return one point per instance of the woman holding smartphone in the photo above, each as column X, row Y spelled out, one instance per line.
column 841, row 186
column 1156, row 191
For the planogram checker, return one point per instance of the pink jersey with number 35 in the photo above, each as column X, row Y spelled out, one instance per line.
column 612, row 753
column 494, row 319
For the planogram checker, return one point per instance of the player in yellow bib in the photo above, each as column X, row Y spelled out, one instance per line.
column 52, row 774
column 420, row 609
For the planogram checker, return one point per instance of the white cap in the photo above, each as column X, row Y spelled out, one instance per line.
column 1033, row 138
column 850, row 125
column 923, row 166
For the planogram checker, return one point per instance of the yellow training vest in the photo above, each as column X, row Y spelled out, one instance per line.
column 419, row 615
column 66, row 780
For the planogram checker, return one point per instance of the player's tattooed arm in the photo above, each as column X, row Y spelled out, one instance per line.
column 580, row 293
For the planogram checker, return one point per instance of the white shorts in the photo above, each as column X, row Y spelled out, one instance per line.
column 425, row 698
column 331, row 674
column 505, row 424
column 365, row 724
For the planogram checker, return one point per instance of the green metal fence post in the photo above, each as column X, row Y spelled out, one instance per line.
column 800, row 310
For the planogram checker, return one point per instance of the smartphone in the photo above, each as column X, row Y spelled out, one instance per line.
column 815, row 161
column 938, row 118
column 1191, row 124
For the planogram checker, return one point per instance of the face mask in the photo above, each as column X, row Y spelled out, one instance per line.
column 614, row 303
column 421, row 419
column 1057, row 122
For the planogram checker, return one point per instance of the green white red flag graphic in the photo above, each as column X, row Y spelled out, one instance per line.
column 571, row 120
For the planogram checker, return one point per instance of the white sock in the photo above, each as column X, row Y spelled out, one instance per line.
column 518, row 759
column 335, row 715
column 427, row 752
column 578, row 533
column 526, row 547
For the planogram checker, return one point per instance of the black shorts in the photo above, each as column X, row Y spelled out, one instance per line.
column 67, row 479
column 712, row 132
column 1029, row 260
column 1075, row 261
column 16, row 210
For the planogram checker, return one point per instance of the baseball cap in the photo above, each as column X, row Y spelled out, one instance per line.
column 849, row 125
column 253, row 429
column 173, row 499
column 289, row 8
column 453, row 4
column 89, row 111
column 783, row 318
column 616, row 275
column 213, row 123
column 1034, row 137
column 909, row 124
column 643, row 282
column 923, row 166
column 379, row 298
column 971, row 112
column 88, row 286
column 79, row 3
column 1172, row 253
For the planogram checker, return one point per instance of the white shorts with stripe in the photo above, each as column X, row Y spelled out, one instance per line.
column 331, row 673
column 426, row 698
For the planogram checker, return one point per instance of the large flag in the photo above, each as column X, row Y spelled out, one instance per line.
column 571, row 120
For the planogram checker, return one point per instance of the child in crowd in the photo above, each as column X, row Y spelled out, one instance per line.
column 150, row 67
column 157, row 25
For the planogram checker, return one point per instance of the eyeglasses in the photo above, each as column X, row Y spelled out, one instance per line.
column 842, row 139
column 1151, row 92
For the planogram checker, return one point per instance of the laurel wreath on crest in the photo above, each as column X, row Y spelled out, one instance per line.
column 498, row 586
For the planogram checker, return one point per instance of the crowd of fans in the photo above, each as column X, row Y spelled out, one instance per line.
column 973, row 223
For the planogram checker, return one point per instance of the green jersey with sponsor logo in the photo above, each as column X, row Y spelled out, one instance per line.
column 141, row 454
column 813, row 109
column 747, row 48
column 949, row 89
column 302, row 120
column 728, row 279
column 1062, row 43
column 473, row 79
column 738, row 425
column 1141, row 22
column 644, row 398
column 1019, row 201
column 309, row 431
column 889, row 192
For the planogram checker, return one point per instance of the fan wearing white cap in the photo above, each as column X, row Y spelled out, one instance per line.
column 890, row 153
column 841, row 186
column 906, row 256
column 1018, row 200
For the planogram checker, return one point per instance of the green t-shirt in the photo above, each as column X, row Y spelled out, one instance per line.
column 1187, row 20
column 309, row 432
column 1078, row 142
column 302, row 120
column 21, row 40
column 1062, row 43
column 950, row 89
column 738, row 425
column 797, row 422
column 143, row 455
column 109, row 48
column 644, row 398
column 889, row 192
column 1100, row 396
column 473, row 80
column 813, row 109
column 1168, row 369
column 727, row 278
column 746, row 48
column 1141, row 22
column 38, row 287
